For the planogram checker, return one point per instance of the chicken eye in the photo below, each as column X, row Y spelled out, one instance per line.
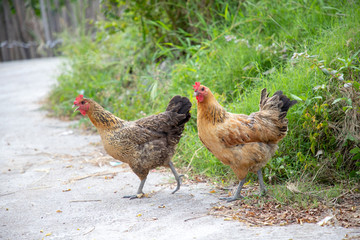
column 83, row 102
column 202, row 89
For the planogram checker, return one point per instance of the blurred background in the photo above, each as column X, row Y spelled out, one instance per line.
column 30, row 28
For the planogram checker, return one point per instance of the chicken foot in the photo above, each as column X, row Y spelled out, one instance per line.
column 139, row 193
column 237, row 195
column 177, row 177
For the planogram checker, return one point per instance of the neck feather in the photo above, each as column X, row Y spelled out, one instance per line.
column 102, row 118
column 211, row 110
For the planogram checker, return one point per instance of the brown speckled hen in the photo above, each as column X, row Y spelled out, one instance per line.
column 244, row 142
column 144, row 144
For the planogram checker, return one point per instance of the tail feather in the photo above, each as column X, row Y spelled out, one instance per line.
column 180, row 105
column 278, row 102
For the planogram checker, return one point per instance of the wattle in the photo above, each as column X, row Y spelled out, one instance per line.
column 83, row 112
column 199, row 98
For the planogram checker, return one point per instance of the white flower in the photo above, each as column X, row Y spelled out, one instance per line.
column 229, row 38
column 259, row 47
column 347, row 85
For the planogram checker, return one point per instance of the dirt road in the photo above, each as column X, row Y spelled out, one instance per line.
column 50, row 188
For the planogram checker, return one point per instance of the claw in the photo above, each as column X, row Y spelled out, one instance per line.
column 178, row 184
column 231, row 199
column 131, row 197
column 177, row 177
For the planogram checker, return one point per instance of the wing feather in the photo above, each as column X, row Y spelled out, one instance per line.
column 263, row 126
column 162, row 122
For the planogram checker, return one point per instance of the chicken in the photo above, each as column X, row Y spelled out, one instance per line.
column 144, row 144
column 244, row 142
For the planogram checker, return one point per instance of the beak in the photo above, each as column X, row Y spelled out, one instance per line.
column 196, row 93
column 76, row 107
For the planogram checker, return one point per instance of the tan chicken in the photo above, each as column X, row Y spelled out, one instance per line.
column 244, row 142
column 144, row 144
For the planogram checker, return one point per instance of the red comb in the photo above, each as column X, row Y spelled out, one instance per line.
column 196, row 86
column 78, row 98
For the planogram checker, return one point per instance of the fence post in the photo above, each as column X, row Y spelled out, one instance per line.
column 46, row 27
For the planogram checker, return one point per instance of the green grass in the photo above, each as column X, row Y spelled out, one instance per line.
column 237, row 92
column 135, row 78
column 305, row 195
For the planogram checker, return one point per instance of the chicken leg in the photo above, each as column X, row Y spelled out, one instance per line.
column 177, row 177
column 237, row 195
column 139, row 192
column 142, row 183
column 261, row 183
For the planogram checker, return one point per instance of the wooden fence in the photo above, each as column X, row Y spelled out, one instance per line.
column 31, row 31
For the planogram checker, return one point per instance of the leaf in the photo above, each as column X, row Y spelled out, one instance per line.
column 345, row 109
column 296, row 97
column 324, row 70
column 140, row 195
column 319, row 87
column 190, row 69
column 348, row 100
column 159, row 24
column 312, row 148
column 318, row 97
column 355, row 54
column 226, row 11
column 355, row 150
column 337, row 100
column 356, row 68
column 154, row 93
column 357, row 157
column 325, row 220
column 356, row 85
column 269, row 71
